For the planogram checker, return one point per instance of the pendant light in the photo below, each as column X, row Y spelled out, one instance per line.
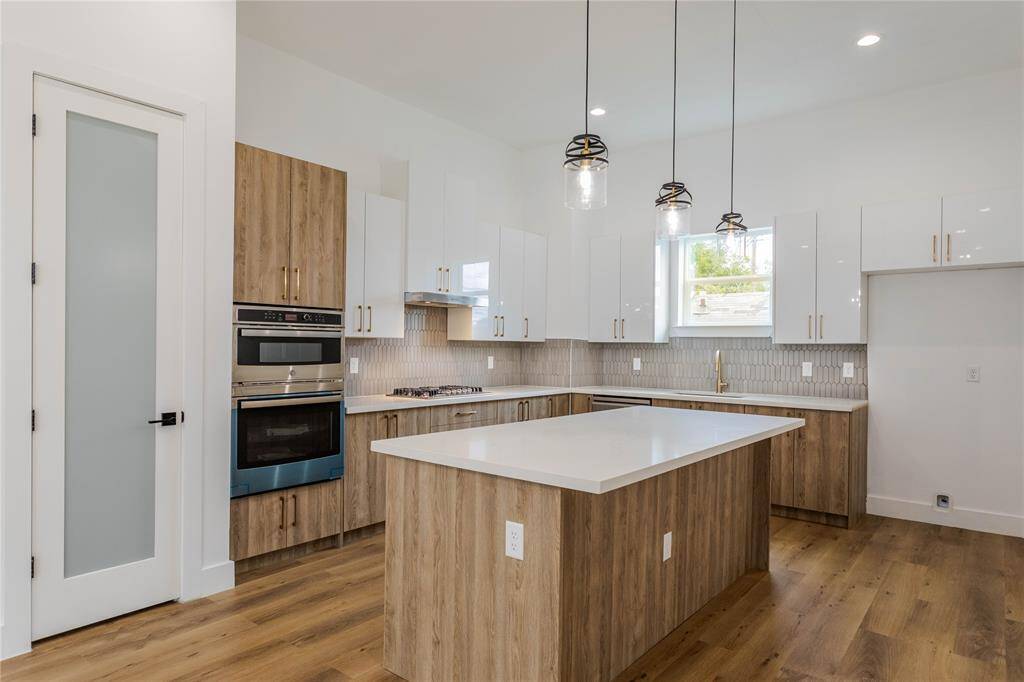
column 586, row 156
column 674, row 203
column 732, row 222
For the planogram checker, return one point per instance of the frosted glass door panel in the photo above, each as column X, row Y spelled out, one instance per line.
column 110, row 344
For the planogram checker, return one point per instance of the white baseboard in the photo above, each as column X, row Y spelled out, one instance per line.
column 970, row 519
column 217, row 578
column 9, row 648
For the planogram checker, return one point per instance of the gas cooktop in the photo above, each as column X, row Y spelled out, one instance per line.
column 427, row 392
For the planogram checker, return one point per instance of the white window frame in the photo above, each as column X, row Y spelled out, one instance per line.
column 715, row 330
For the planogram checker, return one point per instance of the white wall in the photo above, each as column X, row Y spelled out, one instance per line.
column 930, row 431
column 293, row 107
column 952, row 137
column 188, row 50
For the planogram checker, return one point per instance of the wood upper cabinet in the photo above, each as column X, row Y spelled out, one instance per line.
column 262, row 225
column 284, row 518
column 289, row 230
column 318, row 196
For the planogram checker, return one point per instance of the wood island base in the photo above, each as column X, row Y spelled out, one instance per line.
column 592, row 593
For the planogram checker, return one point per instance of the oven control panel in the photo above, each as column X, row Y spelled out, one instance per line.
column 287, row 316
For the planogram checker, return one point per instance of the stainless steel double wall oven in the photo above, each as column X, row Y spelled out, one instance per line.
column 287, row 397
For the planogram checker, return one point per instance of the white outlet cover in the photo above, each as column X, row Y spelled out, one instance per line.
column 353, row 365
column 636, row 364
column 807, row 369
column 847, row 370
column 974, row 373
column 514, row 540
column 490, row 362
column 666, row 546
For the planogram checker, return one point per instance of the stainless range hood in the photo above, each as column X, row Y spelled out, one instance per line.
column 438, row 299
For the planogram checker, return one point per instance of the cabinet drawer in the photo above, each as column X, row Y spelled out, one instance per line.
column 453, row 415
column 462, row 425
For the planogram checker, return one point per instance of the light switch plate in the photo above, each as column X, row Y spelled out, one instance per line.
column 636, row 364
column 514, row 540
column 847, row 370
column 807, row 369
column 353, row 365
column 490, row 362
column 974, row 373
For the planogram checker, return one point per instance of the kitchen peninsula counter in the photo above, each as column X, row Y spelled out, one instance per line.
column 601, row 580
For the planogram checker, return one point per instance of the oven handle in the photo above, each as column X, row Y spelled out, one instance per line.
column 304, row 333
column 284, row 402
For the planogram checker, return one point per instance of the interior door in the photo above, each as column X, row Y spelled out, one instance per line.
column 384, row 294
column 107, row 321
column 535, row 286
column 355, row 254
column 510, row 287
column 795, row 259
column 262, row 232
column 318, row 198
column 604, row 289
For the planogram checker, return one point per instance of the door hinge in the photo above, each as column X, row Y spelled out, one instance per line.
column 33, row 125
column 33, row 420
column 34, row 272
column 32, row 568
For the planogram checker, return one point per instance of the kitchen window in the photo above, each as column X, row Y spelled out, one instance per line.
column 725, row 282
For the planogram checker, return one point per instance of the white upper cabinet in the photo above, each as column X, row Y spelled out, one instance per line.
column 982, row 228
column 535, row 287
column 374, row 288
column 795, row 264
column 475, row 270
column 901, row 235
column 841, row 291
column 425, row 235
column 470, row 248
column 629, row 289
column 604, row 289
column 510, row 287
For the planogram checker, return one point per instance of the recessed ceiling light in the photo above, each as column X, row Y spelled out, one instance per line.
column 868, row 40
column 597, row 111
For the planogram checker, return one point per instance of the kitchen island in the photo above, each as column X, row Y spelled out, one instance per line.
column 600, row 580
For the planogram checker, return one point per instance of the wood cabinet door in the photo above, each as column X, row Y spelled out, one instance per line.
column 259, row 524
column 262, row 226
column 508, row 411
column 782, row 454
column 315, row 511
column 364, row 485
column 580, row 403
column 318, row 213
column 821, row 461
column 558, row 405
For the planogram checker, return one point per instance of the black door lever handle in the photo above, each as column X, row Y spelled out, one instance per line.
column 166, row 419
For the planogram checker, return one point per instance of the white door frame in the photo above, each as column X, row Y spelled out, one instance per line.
column 19, row 66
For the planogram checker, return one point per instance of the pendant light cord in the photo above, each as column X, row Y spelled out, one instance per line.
column 586, row 78
column 675, row 66
column 732, row 143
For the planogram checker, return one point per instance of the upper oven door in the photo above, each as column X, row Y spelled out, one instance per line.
column 277, row 354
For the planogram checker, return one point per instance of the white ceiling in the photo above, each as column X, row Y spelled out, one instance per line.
column 514, row 70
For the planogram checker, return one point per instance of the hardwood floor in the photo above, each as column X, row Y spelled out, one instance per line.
column 892, row 600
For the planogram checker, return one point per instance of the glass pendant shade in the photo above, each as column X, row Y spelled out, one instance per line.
column 673, row 209
column 586, row 173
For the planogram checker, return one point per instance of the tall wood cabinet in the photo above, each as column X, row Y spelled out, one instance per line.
column 289, row 230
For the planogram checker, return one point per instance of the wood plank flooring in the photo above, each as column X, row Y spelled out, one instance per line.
column 892, row 600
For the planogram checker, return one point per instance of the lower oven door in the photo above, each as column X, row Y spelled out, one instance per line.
column 279, row 442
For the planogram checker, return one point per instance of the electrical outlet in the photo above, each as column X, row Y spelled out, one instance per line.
column 514, row 540
column 666, row 546
column 942, row 501
column 974, row 373
column 490, row 362
column 847, row 370
column 636, row 364
column 353, row 365
column 806, row 369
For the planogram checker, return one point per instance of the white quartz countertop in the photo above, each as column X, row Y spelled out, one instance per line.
column 765, row 400
column 594, row 452
column 380, row 403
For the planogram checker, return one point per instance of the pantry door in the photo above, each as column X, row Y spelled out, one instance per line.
column 106, row 356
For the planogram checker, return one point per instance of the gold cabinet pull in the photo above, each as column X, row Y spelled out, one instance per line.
column 295, row 510
column 519, row 411
column 297, row 283
column 387, row 426
column 284, row 277
column 395, row 417
column 495, row 325
column 810, row 319
column 935, row 246
column 503, row 326
column 360, row 327
column 949, row 248
column 369, row 327
column 447, row 279
column 622, row 328
column 821, row 326
column 615, row 328
column 526, row 404
column 281, row 525
column 526, row 323
column 440, row 279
